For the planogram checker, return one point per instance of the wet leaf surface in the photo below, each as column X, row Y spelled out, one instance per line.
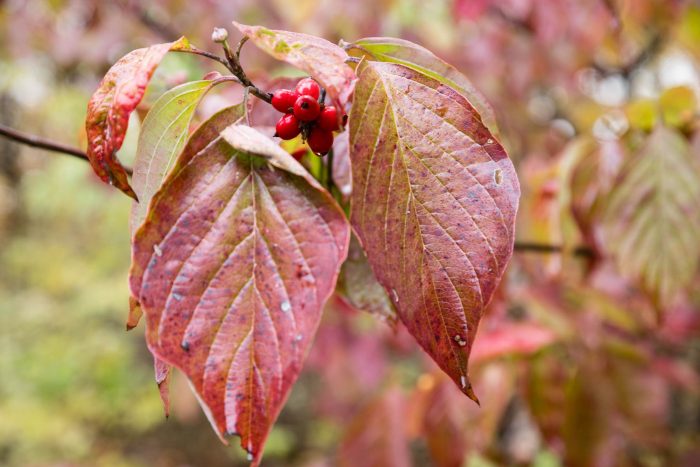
column 434, row 203
column 232, row 267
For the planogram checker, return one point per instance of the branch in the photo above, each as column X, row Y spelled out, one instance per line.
column 650, row 50
column 41, row 143
column 531, row 247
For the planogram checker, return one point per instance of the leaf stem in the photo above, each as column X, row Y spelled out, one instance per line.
column 42, row 143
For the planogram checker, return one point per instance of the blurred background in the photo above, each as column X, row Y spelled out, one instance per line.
column 589, row 354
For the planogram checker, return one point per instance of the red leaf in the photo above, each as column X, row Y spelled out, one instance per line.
column 321, row 59
column 377, row 437
column 162, row 372
column 232, row 267
column 109, row 108
column 434, row 203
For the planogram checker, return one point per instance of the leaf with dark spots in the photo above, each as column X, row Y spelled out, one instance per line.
column 422, row 60
column 321, row 59
column 434, row 203
column 237, row 256
column 205, row 134
column 110, row 106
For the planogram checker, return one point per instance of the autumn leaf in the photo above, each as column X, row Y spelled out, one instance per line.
column 434, row 203
column 232, row 267
column 318, row 57
column 163, row 134
column 360, row 286
column 422, row 60
column 376, row 436
column 652, row 219
column 109, row 108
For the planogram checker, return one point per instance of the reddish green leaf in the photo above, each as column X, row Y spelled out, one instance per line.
column 204, row 134
column 652, row 219
column 434, row 203
column 422, row 60
column 109, row 108
column 163, row 134
column 360, row 286
column 232, row 267
column 321, row 59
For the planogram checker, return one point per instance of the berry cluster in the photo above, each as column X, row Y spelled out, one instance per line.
column 305, row 113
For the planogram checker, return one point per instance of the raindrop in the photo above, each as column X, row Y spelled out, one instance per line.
column 298, row 338
column 157, row 250
column 395, row 295
column 285, row 306
column 489, row 141
column 498, row 176
column 463, row 381
column 250, row 456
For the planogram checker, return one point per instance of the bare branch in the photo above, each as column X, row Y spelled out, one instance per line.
column 42, row 143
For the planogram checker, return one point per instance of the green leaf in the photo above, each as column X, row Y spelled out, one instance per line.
column 422, row 60
column 678, row 106
column 163, row 134
column 433, row 204
column 642, row 114
column 652, row 221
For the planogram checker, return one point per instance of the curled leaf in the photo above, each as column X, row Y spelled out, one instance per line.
column 163, row 134
column 321, row 59
column 109, row 108
column 434, row 202
column 232, row 267
column 422, row 60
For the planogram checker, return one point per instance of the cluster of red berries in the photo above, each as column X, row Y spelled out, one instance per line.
column 306, row 113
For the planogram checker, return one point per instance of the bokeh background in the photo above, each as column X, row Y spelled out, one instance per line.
column 584, row 358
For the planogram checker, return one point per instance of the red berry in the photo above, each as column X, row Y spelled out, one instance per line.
column 308, row 87
column 328, row 119
column 287, row 127
column 320, row 141
column 284, row 99
column 306, row 108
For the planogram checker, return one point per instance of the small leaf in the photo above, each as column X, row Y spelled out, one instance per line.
column 342, row 176
column 163, row 134
column 652, row 219
column 422, row 60
column 162, row 373
column 678, row 106
column 232, row 268
column 109, row 108
column 361, row 288
column 434, row 203
column 321, row 59
column 642, row 114
column 376, row 436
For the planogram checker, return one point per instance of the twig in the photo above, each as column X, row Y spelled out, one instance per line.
column 42, row 143
column 649, row 51
column 234, row 65
column 204, row 53
column 553, row 249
